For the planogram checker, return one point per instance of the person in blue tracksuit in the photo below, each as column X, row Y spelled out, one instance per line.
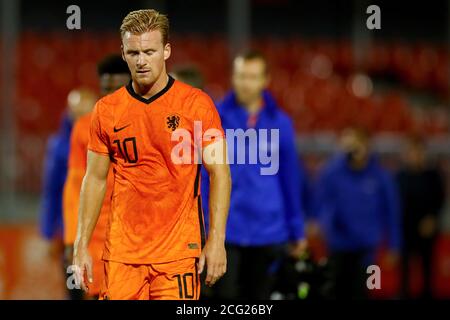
column 266, row 209
column 55, row 170
column 358, row 210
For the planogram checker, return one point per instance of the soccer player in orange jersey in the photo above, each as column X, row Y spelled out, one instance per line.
column 113, row 73
column 155, row 245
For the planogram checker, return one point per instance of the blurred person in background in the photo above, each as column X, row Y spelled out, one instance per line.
column 113, row 74
column 423, row 196
column 79, row 102
column 189, row 74
column 265, row 210
column 357, row 207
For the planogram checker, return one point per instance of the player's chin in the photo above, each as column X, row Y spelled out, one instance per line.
column 144, row 79
column 245, row 97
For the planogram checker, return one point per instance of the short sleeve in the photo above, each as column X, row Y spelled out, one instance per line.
column 98, row 138
column 212, row 130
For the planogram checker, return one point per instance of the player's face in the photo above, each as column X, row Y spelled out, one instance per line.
column 355, row 145
column 249, row 79
column 415, row 155
column 145, row 55
column 80, row 102
column 111, row 82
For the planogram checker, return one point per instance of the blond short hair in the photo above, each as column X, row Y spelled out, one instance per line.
column 141, row 21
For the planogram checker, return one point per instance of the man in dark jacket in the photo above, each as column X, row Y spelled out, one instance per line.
column 423, row 196
column 266, row 205
column 358, row 207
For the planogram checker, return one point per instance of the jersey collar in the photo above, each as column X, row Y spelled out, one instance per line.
column 152, row 98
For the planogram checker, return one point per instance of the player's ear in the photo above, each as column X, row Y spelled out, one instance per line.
column 167, row 51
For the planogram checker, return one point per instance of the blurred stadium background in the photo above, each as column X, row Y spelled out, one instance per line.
column 328, row 71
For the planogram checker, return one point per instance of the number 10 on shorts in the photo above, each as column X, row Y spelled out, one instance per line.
column 185, row 285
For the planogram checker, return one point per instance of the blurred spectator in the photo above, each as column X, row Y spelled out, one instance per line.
column 55, row 170
column 423, row 196
column 189, row 74
column 357, row 205
column 265, row 210
column 79, row 102
column 113, row 73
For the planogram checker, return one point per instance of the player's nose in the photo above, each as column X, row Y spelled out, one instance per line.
column 141, row 60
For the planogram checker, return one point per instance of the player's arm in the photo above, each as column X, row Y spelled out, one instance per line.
column 71, row 199
column 91, row 198
column 75, row 174
column 214, row 254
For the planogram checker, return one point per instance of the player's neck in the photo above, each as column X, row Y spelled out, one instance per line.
column 254, row 106
column 359, row 164
column 149, row 91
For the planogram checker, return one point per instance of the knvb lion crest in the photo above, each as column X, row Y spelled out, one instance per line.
column 173, row 121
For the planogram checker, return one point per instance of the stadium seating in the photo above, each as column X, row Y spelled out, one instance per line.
column 311, row 79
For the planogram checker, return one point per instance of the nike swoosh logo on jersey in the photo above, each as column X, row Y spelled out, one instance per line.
column 119, row 129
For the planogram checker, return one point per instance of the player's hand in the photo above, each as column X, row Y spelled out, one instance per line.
column 82, row 261
column 215, row 258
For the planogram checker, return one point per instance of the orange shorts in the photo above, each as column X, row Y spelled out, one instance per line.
column 176, row 280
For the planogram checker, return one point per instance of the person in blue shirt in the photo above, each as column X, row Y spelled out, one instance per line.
column 358, row 209
column 266, row 206
column 55, row 166
column 79, row 102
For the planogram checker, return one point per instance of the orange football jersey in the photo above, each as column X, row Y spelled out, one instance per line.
column 76, row 169
column 156, row 207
